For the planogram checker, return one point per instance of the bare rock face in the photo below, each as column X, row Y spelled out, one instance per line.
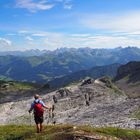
column 93, row 103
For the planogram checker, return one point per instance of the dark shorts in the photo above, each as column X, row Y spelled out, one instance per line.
column 38, row 119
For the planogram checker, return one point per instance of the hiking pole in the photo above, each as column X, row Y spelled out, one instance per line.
column 30, row 119
column 51, row 114
column 48, row 117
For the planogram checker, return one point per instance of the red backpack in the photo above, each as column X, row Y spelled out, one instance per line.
column 38, row 110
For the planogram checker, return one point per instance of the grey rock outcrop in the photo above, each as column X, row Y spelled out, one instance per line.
column 90, row 104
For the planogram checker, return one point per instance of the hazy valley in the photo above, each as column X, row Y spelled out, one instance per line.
column 50, row 65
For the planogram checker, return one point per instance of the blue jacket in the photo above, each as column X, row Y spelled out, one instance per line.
column 37, row 101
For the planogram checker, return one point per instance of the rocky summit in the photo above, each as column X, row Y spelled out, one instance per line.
column 92, row 102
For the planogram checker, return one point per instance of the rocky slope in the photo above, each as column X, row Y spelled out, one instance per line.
column 94, row 102
column 128, row 78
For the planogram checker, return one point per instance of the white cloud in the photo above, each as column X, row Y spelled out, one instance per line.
column 11, row 34
column 135, row 33
column 53, row 41
column 34, row 6
column 68, row 6
column 5, row 42
column 48, row 40
column 80, row 35
column 124, row 22
column 39, row 34
column 23, row 32
column 37, row 5
column 111, row 41
column 28, row 38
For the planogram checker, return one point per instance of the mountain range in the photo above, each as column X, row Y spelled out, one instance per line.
column 25, row 53
column 44, row 66
column 95, row 72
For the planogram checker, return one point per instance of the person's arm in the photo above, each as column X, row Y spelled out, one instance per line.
column 43, row 104
column 31, row 108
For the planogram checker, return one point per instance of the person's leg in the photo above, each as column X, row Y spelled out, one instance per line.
column 41, row 123
column 38, row 128
column 41, row 127
column 37, row 124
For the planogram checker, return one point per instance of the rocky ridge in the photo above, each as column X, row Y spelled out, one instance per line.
column 90, row 102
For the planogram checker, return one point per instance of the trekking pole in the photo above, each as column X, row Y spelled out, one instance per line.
column 30, row 119
column 51, row 115
column 52, row 112
column 48, row 117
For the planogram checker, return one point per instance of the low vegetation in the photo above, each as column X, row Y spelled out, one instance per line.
column 136, row 114
column 108, row 82
column 124, row 134
column 65, row 132
column 14, row 85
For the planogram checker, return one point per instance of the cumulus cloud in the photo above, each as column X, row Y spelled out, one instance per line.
column 37, row 5
column 34, row 6
column 28, row 38
column 80, row 35
column 5, row 43
column 11, row 34
column 126, row 22
column 23, row 32
column 111, row 41
column 51, row 41
column 68, row 6
column 39, row 34
column 48, row 40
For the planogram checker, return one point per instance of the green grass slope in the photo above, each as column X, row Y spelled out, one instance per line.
column 15, row 85
column 15, row 90
column 66, row 132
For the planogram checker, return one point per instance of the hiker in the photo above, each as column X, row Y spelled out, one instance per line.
column 37, row 105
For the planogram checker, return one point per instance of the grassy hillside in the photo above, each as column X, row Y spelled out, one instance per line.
column 11, row 90
column 14, row 85
column 66, row 132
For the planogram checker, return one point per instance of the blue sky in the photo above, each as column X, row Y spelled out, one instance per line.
column 51, row 24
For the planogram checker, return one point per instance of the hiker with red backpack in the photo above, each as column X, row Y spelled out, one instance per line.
column 37, row 105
